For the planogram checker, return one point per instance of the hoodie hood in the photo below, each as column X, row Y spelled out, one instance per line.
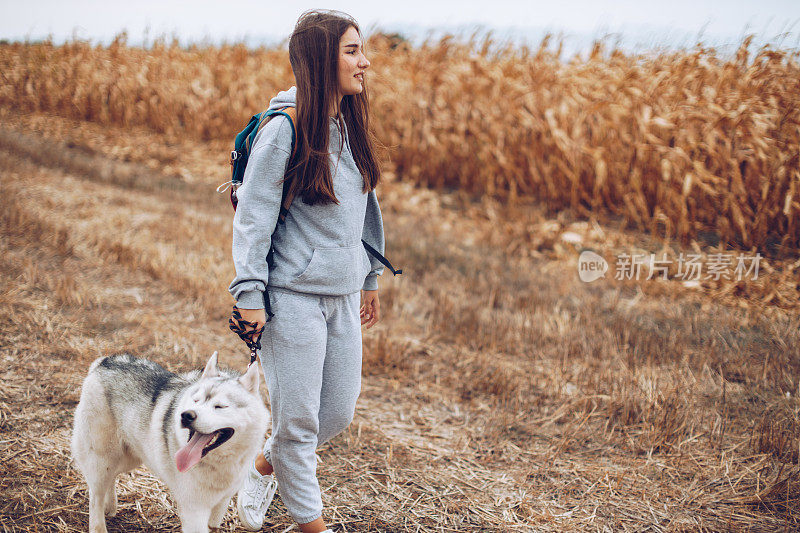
column 289, row 98
column 284, row 98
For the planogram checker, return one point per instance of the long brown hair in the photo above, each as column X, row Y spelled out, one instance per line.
column 314, row 54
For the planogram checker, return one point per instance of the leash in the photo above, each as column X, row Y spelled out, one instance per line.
column 251, row 337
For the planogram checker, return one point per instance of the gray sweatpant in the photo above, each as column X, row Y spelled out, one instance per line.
column 311, row 357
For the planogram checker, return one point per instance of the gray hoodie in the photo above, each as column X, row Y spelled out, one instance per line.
column 318, row 249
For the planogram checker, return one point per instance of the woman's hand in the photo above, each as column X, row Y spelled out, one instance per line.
column 259, row 316
column 370, row 308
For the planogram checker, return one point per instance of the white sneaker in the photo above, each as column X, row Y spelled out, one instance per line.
column 254, row 498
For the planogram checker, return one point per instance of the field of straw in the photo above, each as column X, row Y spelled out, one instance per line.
column 500, row 392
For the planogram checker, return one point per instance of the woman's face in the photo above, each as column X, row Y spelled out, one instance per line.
column 352, row 63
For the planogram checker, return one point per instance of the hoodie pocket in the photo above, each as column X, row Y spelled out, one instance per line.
column 334, row 271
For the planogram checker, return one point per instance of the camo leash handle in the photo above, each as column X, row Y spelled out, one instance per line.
column 251, row 337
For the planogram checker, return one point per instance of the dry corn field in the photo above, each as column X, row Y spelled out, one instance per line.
column 500, row 392
column 676, row 143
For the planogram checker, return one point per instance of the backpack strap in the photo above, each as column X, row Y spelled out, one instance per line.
column 289, row 112
column 380, row 258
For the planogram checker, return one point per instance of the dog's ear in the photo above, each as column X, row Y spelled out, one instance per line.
column 250, row 379
column 211, row 368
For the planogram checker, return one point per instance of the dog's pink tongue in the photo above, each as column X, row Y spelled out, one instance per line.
column 190, row 455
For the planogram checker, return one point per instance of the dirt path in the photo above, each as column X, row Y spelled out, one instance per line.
column 493, row 399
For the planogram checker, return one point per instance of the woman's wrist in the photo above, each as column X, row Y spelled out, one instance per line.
column 250, row 300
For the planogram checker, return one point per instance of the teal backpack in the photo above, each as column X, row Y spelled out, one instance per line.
column 242, row 145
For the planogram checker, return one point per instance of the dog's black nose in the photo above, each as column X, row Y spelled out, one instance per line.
column 187, row 417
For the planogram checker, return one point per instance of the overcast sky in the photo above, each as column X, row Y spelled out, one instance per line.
column 636, row 22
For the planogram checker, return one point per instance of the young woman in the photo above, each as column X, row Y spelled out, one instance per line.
column 311, row 348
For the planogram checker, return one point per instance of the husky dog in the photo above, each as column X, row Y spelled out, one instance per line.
column 197, row 433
